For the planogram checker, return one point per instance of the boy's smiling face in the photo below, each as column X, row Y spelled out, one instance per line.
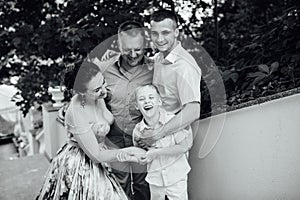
column 148, row 101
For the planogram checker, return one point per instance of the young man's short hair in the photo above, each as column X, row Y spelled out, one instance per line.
column 163, row 14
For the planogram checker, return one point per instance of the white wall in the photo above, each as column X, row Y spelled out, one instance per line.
column 257, row 156
column 55, row 134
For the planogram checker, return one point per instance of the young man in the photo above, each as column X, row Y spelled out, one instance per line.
column 123, row 73
column 176, row 75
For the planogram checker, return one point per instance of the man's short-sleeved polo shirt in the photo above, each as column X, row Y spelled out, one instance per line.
column 177, row 77
column 121, row 85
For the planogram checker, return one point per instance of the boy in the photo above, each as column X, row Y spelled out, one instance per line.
column 167, row 158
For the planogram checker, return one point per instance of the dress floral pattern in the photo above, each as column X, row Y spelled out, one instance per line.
column 73, row 175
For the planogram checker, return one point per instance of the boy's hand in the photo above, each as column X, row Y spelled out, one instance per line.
column 149, row 156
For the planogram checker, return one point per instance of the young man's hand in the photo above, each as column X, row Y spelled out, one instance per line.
column 149, row 141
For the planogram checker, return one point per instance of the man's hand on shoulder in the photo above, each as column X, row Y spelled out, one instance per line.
column 150, row 62
column 109, row 54
column 96, row 61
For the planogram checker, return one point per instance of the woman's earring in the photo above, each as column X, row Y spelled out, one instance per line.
column 82, row 100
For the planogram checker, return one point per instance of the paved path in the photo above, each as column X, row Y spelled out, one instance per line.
column 21, row 178
column 8, row 151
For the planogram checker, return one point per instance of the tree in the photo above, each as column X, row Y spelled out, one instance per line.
column 256, row 45
column 41, row 38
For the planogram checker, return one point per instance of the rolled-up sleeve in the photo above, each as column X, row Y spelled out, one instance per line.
column 185, row 134
column 188, row 84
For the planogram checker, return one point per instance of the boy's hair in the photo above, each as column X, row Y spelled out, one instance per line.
column 163, row 14
column 143, row 86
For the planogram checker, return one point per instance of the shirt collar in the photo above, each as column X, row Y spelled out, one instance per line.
column 173, row 56
column 119, row 61
column 162, row 120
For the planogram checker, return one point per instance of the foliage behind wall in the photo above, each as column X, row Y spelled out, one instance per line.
column 254, row 43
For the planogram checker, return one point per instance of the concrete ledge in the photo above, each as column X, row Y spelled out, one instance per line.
column 260, row 100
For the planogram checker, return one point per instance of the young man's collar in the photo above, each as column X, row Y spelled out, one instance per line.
column 173, row 56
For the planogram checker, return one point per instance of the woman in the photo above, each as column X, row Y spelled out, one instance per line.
column 80, row 169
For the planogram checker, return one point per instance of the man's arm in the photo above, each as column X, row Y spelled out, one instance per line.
column 189, row 113
column 188, row 86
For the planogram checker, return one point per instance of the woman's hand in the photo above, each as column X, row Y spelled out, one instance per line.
column 135, row 151
column 100, row 128
column 124, row 156
column 131, row 154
